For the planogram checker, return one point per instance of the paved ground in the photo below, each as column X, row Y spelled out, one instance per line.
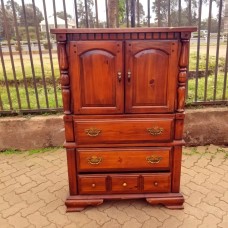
column 33, row 189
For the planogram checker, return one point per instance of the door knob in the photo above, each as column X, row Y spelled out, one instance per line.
column 119, row 76
column 129, row 76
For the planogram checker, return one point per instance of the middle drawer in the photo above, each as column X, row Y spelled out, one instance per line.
column 129, row 159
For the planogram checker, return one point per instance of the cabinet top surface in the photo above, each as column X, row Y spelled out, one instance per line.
column 124, row 30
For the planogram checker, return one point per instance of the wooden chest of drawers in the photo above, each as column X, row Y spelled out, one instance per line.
column 123, row 98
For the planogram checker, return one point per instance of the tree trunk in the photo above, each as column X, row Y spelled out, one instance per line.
column 112, row 13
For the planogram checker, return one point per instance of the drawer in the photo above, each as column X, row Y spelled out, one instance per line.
column 91, row 184
column 130, row 159
column 157, row 182
column 124, row 183
column 123, row 130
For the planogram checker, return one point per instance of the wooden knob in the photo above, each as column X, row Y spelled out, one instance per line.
column 93, row 185
column 155, row 183
column 124, row 184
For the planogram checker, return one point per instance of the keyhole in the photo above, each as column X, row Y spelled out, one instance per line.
column 151, row 82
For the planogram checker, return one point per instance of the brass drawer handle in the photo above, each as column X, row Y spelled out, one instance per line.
column 93, row 132
column 124, row 184
column 155, row 130
column 153, row 160
column 94, row 160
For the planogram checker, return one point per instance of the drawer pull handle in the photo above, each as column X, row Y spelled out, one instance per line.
column 93, row 185
column 153, row 160
column 124, row 184
column 155, row 130
column 155, row 183
column 94, row 160
column 93, row 132
column 129, row 76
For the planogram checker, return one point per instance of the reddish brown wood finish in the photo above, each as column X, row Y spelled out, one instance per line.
column 123, row 98
column 97, row 77
column 123, row 131
column 129, row 159
column 150, row 76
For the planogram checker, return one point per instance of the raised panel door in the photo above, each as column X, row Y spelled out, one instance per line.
column 151, row 76
column 96, row 70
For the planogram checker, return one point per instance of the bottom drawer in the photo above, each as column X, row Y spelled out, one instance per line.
column 124, row 183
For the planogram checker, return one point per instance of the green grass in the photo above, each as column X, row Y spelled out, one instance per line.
column 28, row 68
column 30, row 152
column 210, row 88
column 50, row 90
column 32, row 97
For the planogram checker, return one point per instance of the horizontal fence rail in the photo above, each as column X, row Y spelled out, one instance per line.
column 29, row 75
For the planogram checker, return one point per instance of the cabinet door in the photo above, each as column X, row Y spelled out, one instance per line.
column 96, row 70
column 151, row 76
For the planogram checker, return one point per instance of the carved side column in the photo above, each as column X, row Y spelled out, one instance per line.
column 68, row 118
column 64, row 76
column 182, row 78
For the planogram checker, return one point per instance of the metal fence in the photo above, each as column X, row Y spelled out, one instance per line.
column 29, row 65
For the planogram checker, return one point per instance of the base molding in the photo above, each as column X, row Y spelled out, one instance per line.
column 77, row 203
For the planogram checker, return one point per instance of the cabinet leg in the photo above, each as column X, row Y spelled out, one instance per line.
column 169, row 202
column 76, row 205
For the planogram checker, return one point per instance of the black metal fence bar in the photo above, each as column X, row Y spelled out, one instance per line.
column 50, row 54
column 30, row 55
column 96, row 10
column 225, row 73
column 198, row 51
column 217, row 49
column 38, row 91
column 11, row 56
column 76, row 12
column 5, row 79
column 40, row 55
column 208, row 50
column 20, row 53
column 65, row 14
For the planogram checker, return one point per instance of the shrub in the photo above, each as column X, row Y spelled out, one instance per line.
column 47, row 45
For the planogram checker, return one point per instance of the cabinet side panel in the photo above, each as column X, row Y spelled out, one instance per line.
column 72, row 177
column 177, row 155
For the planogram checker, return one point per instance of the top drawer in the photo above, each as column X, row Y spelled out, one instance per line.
column 95, row 131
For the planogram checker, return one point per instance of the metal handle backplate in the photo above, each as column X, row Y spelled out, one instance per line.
column 153, row 160
column 93, row 132
column 94, row 160
column 155, row 130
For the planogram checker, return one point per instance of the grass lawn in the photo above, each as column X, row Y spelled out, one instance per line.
column 50, row 91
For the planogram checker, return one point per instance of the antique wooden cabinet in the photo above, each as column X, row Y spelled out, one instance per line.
column 123, row 99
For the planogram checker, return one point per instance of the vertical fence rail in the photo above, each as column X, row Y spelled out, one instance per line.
column 21, row 91
column 30, row 55
column 20, row 54
column 208, row 50
column 11, row 55
column 40, row 55
column 50, row 54
column 217, row 49
column 198, row 52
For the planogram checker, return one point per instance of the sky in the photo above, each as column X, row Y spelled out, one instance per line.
column 101, row 7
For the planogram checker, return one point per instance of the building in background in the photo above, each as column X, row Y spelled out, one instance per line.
column 60, row 23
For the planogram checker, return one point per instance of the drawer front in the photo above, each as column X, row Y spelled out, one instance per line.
column 111, row 159
column 157, row 183
column 125, row 184
column 92, row 184
column 123, row 131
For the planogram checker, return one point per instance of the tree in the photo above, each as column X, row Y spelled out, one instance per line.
column 6, row 24
column 82, row 14
column 112, row 13
column 62, row 15
column 30, row 16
